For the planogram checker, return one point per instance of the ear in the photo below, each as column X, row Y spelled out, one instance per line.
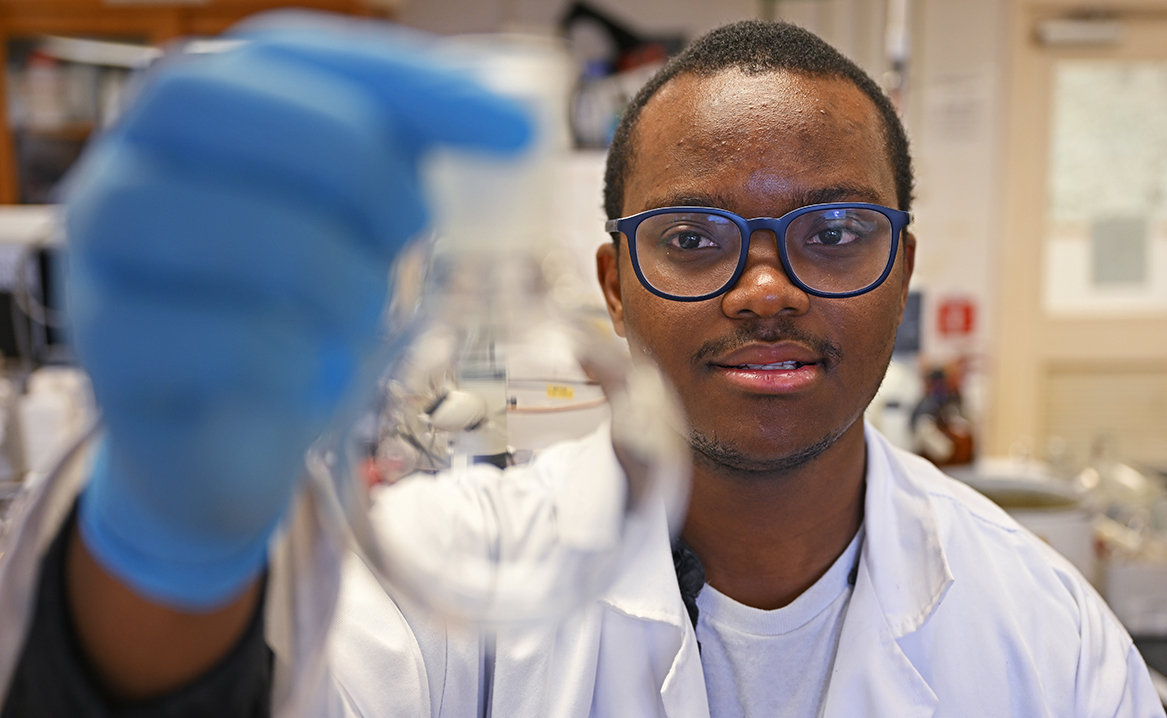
column 608, row 272
column 909, row 250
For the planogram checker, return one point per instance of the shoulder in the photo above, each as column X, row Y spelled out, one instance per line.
column 974, row 530
column 1014, row 605
column 951, row 498
column 929, row 523
column 1003, row 575
column 1001, row 569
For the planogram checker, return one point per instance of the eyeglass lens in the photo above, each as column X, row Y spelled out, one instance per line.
column 833, row 250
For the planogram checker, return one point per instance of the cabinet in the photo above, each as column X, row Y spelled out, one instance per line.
column 44, row 139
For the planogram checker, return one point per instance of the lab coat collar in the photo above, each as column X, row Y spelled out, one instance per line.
column 903, row 576
column 903, row 555
column 647, row 590
column 646, row 569
column 646, row 586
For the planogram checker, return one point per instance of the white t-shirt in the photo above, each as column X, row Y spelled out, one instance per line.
column 774, row 664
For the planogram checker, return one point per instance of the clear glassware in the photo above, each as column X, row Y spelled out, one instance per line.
column 497, row 370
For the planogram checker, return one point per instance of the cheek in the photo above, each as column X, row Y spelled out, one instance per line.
column 636, row 315
column 657, row 328
column 870, row 332
column 650, row 332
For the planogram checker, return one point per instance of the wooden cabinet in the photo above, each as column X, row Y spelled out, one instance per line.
column 147, row 22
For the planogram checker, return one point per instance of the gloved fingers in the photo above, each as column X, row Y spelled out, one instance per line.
column 208, row 414
column 171, row 557
column 212, row 412
column 170, row 355
column 206, row 452
column 309, row 115
column 136, row 227
column 405, row 71
column 230, row 244
column 274, row 127
column 430, row 103
column 231, row 492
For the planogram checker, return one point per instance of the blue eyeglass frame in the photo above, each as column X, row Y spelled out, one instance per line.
column 628, row 226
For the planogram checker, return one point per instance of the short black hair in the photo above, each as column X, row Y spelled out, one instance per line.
column 756, row 47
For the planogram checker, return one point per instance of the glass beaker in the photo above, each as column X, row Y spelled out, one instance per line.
column 517, row 451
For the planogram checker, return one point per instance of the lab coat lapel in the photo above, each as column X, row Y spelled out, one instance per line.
column 647, row 590
column 683, row 693
column 903, row 576
column 872, row 677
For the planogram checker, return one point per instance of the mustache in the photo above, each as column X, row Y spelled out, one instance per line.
column 769, row 331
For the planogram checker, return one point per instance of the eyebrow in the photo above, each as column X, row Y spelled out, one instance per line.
column 842, row 193
column 689, row 200
column 823, row 195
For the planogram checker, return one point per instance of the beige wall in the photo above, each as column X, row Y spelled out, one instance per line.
column 1074, row 376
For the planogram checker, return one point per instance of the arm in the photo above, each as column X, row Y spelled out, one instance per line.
column 229, row 243
column 140, row 649
column 58, row 675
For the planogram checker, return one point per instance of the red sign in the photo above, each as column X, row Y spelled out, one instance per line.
column 956, row 317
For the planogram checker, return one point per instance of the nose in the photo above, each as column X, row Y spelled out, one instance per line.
column 764, row 289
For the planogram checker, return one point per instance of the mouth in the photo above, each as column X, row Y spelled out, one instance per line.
column 773, row 366
column 772, row 369
column 780, row 356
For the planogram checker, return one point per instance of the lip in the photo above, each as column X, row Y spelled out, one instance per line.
column 783, row 368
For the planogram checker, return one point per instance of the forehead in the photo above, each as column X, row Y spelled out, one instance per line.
column 758, row 144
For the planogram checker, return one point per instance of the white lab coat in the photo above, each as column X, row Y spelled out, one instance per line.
column 956, row 611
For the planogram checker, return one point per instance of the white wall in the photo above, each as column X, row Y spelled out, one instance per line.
column 854, row 26
column 650, row 16
column 955, row 120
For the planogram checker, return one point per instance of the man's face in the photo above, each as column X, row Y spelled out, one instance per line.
column 761, row 146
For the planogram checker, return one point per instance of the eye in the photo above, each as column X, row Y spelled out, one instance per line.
column 841, row 232
column 832, row 236
column 688, row 239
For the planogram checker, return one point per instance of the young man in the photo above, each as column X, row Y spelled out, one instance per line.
column 841, row 577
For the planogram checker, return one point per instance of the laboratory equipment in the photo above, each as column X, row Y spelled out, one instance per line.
column 457, row 517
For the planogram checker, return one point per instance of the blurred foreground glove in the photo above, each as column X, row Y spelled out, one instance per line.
column 230, row 242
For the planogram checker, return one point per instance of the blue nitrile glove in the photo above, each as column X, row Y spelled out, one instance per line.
column 230, row 241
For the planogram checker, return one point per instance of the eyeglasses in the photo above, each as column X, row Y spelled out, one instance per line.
column 688, row 254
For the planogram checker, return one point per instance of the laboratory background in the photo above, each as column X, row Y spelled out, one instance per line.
column 1032, row 362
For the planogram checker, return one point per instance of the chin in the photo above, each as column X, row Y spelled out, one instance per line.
column 732, row 457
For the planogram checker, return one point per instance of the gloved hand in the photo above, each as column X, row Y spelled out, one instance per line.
column 230, row 241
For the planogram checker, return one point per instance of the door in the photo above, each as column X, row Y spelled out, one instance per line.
column 1080, row 357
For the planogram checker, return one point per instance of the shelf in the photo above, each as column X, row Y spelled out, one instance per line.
column 69, row 132
column 152, row 22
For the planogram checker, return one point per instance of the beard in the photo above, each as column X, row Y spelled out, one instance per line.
column 727, row 459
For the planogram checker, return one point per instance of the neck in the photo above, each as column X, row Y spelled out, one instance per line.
column 764, row 538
